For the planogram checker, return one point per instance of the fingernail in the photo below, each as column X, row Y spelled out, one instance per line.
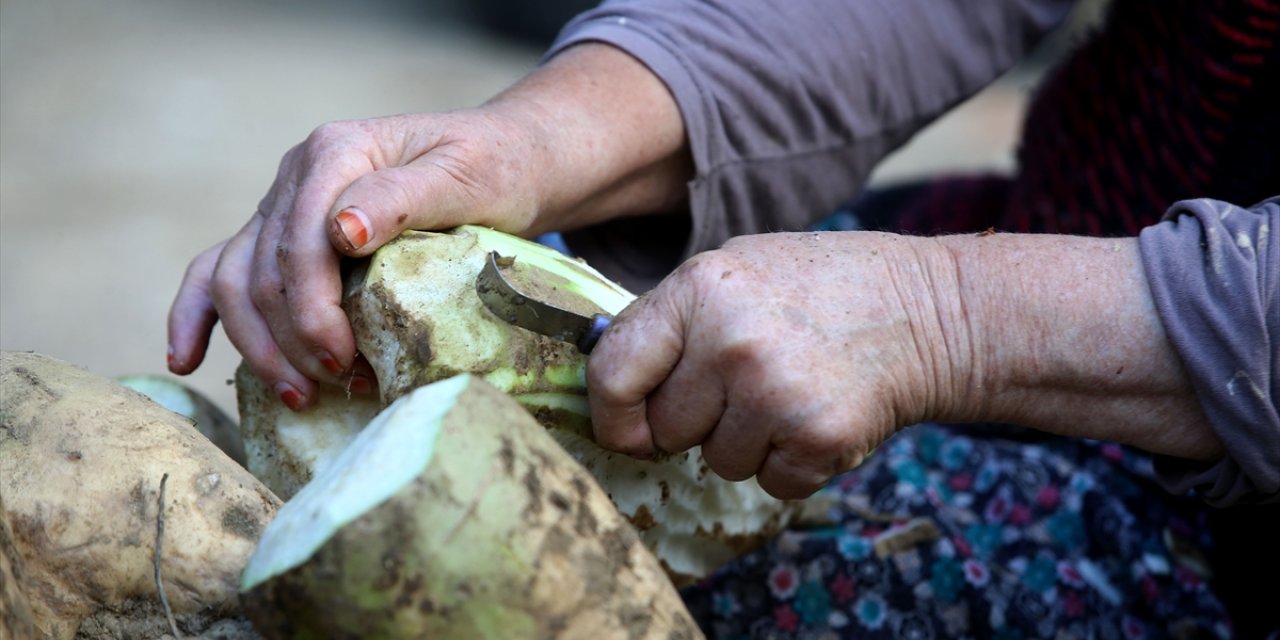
column 360, row 384
column 363, row 378
column 331, row 363
column 354, row 226
column 290, row 396
column 172, row 359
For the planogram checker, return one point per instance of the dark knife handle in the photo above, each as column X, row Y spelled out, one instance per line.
column 599, row 323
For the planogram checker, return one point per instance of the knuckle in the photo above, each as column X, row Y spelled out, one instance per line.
column 703, row 267
column 743, row 356
column 671, row 440
column 328, row 133
column 265, row 291
column 789, row 488
column 816, row 454
column 609, row 440
column 605, row 438
column 223, row 288
column 200, row 270
column 285, row 167
column 724, row 463
column 746, row 358
column 713, row 278
column 736, row 242
column 265, row 205
column 816, row 441
column 742, row 246
column 622, row 442
column 790, row 475
column 309, row 327
column 335, row 139
column 774, row 484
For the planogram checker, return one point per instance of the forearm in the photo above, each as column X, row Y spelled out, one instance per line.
column 608, row 139
column 1062, row 336
column 789, row 106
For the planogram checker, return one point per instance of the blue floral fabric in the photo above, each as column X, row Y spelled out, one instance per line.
column 979, row 532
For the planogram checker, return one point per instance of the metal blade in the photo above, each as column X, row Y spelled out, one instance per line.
column 535, row 315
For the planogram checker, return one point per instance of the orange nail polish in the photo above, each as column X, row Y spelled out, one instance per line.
column 360, row 384
column 354, row 226
column 331, row 363
column 291, row 397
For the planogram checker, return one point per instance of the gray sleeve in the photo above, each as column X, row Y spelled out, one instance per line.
column 789, row 105
column 1214, row 272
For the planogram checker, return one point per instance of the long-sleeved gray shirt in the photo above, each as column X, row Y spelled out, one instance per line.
column 788, row 107
column 1214, row 272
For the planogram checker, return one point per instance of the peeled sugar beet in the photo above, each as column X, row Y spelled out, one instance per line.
column 418, row 319
column 455, row 515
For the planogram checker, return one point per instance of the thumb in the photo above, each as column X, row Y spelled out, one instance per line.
column 376, row 207
column 634, row 357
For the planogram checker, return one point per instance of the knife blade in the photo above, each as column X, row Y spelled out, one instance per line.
column 516, row 308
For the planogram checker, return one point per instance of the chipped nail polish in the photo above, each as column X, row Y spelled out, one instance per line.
column 354, row 226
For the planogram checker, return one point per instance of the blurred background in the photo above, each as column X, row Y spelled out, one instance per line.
column 136, row 133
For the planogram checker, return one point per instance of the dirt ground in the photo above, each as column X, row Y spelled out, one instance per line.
column 135, row 133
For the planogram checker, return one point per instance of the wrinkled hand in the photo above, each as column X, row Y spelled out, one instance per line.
column 591, row 135
column 786, row 356
column 348, row 189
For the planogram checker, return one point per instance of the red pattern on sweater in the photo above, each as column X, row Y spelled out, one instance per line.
column 1169, row 100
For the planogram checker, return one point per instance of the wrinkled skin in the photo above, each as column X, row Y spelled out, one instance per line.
column 779, row 354
column 589, row 136
column 275, row 284
column 789, row 357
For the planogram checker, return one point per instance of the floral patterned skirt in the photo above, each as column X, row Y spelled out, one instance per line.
column 979, row 532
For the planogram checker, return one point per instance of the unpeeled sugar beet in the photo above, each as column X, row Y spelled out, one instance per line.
column 82, row 461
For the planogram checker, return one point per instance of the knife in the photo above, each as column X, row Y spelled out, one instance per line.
column 506, row 302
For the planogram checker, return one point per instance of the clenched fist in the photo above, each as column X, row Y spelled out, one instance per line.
column 786, row 356
column 789, row 357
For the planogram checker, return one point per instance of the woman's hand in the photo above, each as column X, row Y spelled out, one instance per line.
column 789, row 357
column 348, row 189
column 562, row 148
